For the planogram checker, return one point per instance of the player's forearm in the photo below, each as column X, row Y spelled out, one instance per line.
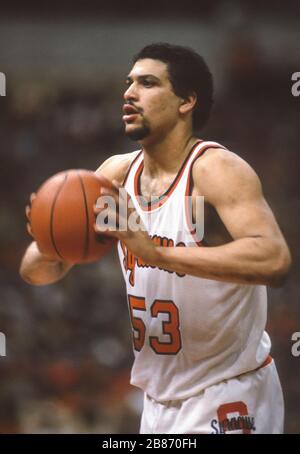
column 36, row 269
column 244, row 261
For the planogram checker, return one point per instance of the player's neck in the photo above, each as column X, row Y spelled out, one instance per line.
column 167, row 156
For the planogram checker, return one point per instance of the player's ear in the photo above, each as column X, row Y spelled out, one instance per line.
column 188, row 103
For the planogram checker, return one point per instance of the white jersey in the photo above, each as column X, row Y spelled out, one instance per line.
column 188, row 332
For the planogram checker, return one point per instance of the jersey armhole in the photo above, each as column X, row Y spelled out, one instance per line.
column 188, row 193
column 130, row 167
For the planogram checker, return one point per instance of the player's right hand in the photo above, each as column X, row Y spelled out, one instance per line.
column 28, row 214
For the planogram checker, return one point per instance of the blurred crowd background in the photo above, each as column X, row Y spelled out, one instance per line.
column 68, row 346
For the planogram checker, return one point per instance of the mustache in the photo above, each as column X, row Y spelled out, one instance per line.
column 138, row 109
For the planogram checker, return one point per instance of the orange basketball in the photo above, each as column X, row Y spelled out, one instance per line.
column 62, row 217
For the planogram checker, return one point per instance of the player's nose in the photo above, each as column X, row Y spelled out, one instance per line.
column 130, row 93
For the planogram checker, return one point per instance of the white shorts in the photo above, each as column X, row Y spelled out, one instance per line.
column 251, row 403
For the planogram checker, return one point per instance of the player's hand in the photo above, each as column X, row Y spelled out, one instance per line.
column 28, row 214
column 123, row 222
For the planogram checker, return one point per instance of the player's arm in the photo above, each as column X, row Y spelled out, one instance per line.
column 38, row 269
column 258, row 253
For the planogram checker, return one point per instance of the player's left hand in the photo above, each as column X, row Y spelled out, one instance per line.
column 118, row 218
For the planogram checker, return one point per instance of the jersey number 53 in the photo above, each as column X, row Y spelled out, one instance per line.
column 169, row 327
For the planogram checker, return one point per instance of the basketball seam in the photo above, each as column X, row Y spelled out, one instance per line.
column 52, row 216
column 86, row 243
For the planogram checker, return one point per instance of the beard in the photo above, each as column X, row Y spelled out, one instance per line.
column 139, row 133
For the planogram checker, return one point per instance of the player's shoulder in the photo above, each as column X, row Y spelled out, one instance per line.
column 220, row 161
column 218, row 158
column 219, row 167
column 116, row 166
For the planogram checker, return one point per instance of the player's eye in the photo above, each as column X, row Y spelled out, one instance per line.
column 148, row 83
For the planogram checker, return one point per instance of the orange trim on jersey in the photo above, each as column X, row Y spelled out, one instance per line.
column 266, row 362
column 188, row 191
column 148, row 206
column 130, row 167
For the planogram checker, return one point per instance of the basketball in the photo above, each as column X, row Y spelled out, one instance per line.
column 62, row 217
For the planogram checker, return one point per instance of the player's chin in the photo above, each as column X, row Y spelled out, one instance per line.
column 136, row 132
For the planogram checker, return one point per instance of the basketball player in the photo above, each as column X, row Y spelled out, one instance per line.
column 198, row 308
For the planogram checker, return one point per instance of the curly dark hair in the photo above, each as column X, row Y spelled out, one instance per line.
column 188, row 73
